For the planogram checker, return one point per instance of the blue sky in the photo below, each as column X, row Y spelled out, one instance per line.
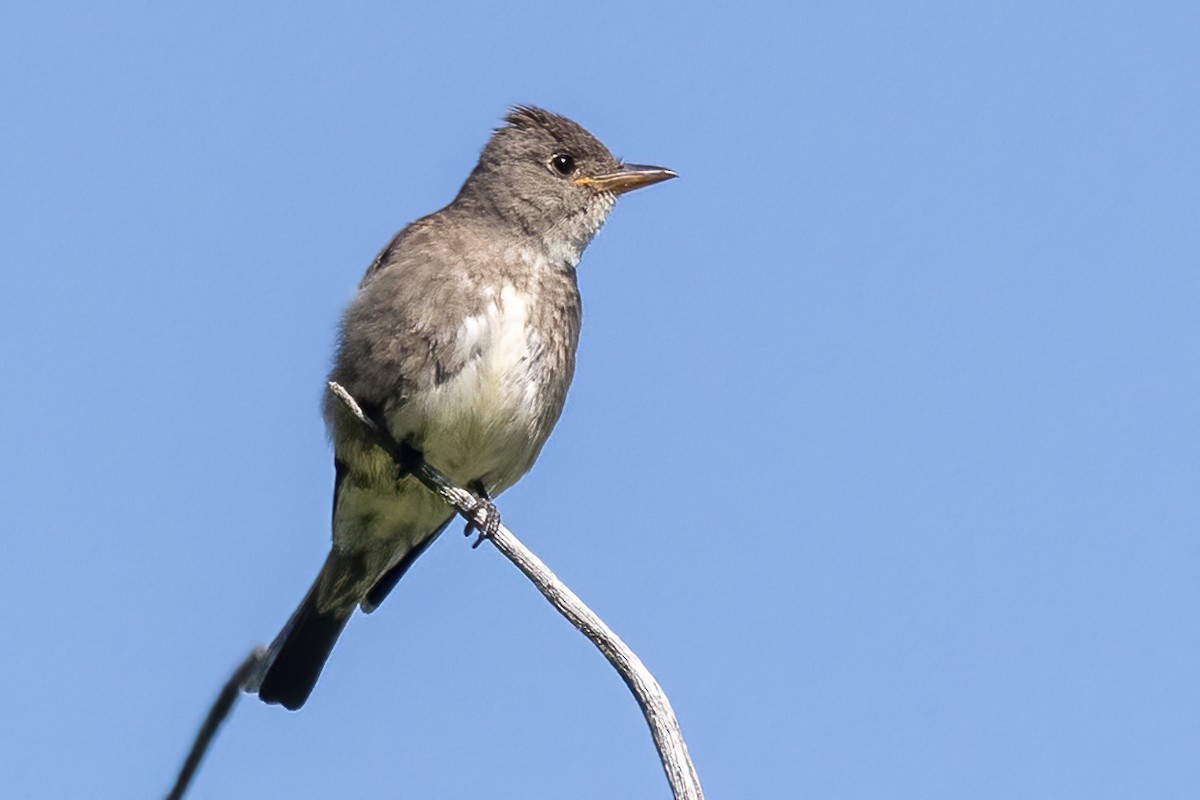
column 882, row 451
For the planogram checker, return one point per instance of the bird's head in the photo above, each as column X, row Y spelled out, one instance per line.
column 548, row 178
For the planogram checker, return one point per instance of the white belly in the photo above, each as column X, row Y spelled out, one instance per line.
column 483, row 421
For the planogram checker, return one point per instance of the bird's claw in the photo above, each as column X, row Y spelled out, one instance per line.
column 491, row 519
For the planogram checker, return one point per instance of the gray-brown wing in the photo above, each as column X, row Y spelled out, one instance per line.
column 398, row 334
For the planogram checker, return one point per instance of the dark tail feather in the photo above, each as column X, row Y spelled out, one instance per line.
column 298, row 654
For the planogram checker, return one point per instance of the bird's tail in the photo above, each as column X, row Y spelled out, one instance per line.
column 295, row 659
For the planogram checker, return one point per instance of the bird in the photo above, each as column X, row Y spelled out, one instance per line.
column 460, row 342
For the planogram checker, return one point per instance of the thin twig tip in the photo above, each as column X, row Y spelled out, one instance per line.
column 347, row 399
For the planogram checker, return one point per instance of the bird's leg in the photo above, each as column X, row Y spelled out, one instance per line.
column 491, row 524
column 409, row 459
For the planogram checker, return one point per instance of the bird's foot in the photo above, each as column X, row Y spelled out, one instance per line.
column 491, row 521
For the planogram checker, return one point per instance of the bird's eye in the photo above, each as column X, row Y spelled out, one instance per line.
column 563, row 164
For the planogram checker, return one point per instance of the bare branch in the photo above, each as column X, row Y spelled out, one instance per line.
column 216, row 715
column 668, row 739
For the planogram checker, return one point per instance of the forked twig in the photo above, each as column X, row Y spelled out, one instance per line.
column 668, row 739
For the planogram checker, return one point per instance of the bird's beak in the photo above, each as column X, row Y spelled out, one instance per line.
column 627, row 178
